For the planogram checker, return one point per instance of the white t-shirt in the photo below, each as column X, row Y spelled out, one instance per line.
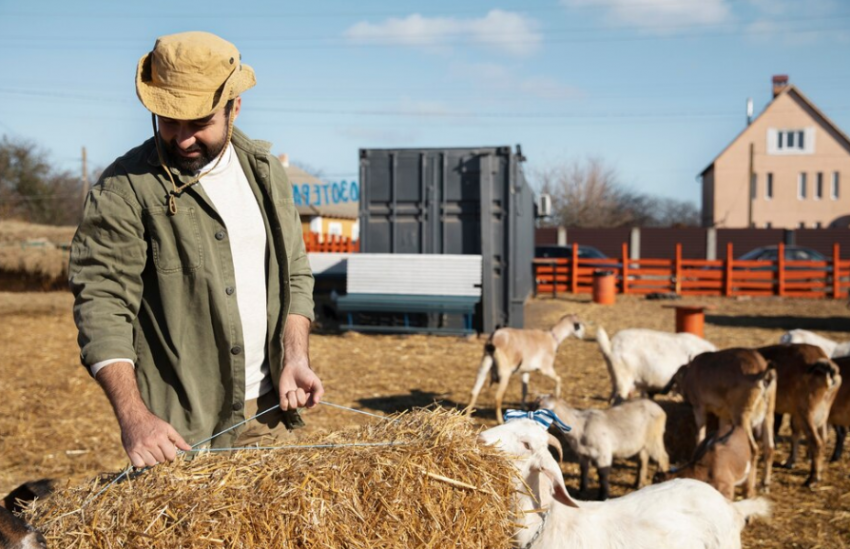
column 231, row 194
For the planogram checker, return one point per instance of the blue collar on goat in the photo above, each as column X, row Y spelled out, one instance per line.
column 544, row 417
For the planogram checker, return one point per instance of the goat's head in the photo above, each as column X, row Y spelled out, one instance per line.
column 569, row 325
column 528, row 442
column 14, row 532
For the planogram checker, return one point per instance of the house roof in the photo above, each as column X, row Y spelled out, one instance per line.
column 344, row 210
column 790, row 90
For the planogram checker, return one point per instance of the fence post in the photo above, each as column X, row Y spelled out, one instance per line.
column 574, row 269
column 677, row 286
column 780, row 270
column 625, row 269
column 836, row 275
column 727, row 271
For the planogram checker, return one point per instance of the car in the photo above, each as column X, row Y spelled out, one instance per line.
column 792, row 253
column 554, row 252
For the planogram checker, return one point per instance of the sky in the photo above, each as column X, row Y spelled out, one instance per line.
column 654, row 88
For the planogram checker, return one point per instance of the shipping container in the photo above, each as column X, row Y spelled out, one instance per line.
column 455, row 201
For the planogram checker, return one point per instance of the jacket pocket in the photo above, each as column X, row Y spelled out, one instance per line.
column 175, row 240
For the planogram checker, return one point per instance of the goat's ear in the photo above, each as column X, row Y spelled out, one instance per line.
column 549, row 467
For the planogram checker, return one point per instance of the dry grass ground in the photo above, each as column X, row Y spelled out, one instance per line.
column 56, row 423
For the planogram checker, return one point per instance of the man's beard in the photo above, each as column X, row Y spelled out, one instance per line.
column 208, row 154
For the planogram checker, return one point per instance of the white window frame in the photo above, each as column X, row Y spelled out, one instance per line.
column 801, row 186
column 834, row 187
column 777, row 139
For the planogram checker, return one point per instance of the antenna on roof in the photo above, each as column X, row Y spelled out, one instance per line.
column 749, row 111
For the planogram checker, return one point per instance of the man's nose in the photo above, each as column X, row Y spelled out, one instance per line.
column 185, row 138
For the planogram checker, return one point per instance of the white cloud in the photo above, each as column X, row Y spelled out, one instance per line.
column 657, row 16
column 494, row 76
column 504, row 31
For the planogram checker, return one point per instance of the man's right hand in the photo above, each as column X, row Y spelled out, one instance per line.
column 149, row 440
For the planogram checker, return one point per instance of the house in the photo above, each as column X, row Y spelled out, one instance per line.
column 798, row 163
column 325, row 208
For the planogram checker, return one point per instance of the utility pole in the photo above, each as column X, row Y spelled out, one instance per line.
column 751, row 189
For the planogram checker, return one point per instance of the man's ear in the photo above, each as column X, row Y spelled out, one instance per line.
column 237, row 106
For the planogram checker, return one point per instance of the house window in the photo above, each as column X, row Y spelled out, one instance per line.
column 753, row 185
column 802, row 225
column 768, row 225
column 768, row 187
column 834, row 192
column 819, row 186
column 801, row 186
column 818, row 225
column 335, row 228
column 791, row 141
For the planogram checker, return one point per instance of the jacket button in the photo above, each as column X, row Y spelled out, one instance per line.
column 237, row 406
column 219, row 235
column 235, row 350
column 229, row 290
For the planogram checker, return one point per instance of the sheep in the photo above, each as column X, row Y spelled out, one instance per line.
column 513, row 350
column 646, row 359
column 17, row 534
column 722, row 461
column 839, row 414
column 680, row 514
column 736, row 386
column 832, row 349
column 808, row 383
column 598, row 436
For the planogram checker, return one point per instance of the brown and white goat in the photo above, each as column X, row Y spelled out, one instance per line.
column 736, row 386
column 513, row 350
column 807, row 384
column 839, row 414
column 14, row 532
column 723, row 461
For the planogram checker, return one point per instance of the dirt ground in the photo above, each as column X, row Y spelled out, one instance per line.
column 55, row 422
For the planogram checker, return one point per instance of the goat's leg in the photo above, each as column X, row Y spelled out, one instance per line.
column 643, row 467
column 525, row 378
column 840, row 434
column 699, row 419
column 549, row 371
column 796, row 429
column 604, row 488
column 777, row 424
column 483, row 370
column 813, row 434
column 767, row 446
column 584, row 464
column 750, row 486
column 504, row 378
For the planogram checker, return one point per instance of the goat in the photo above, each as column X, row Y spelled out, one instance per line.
column 807, row 384
column 833, row 349
column 17, row 534
column 735, row 385
column 598, row 436
column 680, row 514
column 839, row 414
column 722, row 461
column 646, row 359
column 18, row 498
column 514, row 350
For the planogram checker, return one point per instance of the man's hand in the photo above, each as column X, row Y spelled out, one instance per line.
column 299, row 387
column 149, row 440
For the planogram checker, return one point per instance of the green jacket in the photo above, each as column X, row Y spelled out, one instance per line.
column 160, row 288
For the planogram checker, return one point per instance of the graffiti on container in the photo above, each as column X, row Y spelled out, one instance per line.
column 319, row 194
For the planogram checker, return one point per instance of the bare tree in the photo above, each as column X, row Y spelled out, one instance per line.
column 31, row 189
column 588, row 193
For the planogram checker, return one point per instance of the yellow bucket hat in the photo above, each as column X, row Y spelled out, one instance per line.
column 191, row 75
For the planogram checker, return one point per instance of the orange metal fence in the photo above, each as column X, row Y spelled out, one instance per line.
column 722, row 277
column 330, row 243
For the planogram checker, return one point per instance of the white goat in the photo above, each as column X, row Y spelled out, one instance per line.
column 646, row 359
column 634, row 428
column 513, row 350
column 680, row 514
column 832, row 349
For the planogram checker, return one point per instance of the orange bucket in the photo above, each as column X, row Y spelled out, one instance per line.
column 604, row 287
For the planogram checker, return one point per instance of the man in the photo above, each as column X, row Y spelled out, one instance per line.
column 193, row 293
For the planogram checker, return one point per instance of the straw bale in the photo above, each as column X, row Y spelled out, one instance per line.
column 434, row 487
column 12, row 231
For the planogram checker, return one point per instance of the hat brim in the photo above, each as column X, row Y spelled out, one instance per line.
column 189, row 104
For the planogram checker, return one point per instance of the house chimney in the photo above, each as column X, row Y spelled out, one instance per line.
column 284, row 159
column 780, row 82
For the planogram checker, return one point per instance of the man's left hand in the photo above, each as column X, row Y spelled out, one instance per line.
column 299, row 387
